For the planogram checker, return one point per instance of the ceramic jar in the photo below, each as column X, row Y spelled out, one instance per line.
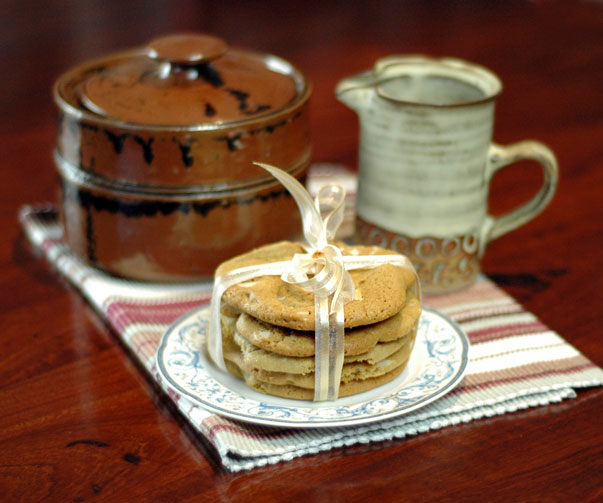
column 155, row 150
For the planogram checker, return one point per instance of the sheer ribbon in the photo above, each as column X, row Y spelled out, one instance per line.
column 322, row 271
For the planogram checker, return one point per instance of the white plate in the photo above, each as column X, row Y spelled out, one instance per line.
column 436, row 365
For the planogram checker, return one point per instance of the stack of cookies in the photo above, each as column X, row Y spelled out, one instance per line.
column 268, row 326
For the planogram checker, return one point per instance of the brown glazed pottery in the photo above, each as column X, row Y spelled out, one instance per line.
column 155, row 150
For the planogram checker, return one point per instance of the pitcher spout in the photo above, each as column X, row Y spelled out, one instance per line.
column 356, row 91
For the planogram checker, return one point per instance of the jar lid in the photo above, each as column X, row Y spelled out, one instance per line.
column 181, row 80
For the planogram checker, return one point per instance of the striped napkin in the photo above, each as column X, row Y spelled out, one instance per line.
column 515, row 361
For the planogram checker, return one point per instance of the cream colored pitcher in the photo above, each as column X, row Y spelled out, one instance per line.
column 426, row 160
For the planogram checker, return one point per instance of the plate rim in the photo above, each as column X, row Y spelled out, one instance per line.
column 326, row 423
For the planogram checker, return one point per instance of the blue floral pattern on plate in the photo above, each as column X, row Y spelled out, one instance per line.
column 436, row 366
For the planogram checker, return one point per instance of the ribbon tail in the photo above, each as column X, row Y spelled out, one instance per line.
column 336, row 341
column 321, row 343
column 313, row 226
column 328, row 359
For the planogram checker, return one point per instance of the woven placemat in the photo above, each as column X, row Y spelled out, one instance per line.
column 515, row 361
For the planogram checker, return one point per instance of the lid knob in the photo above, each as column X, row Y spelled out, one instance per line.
column 186, row 49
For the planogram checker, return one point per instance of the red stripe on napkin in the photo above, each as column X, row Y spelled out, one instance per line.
column 505, row 330
column 122, row 313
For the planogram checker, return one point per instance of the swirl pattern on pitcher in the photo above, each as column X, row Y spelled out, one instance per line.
column 442, row 263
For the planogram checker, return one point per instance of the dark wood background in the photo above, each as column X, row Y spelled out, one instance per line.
column 64, row 376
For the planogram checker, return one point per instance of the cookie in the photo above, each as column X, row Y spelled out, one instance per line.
column 298, row 393
column 358, row 340
column 268, row 326
column 356, row 371
column 254, row 357
column 228, row 323
column 380, row 291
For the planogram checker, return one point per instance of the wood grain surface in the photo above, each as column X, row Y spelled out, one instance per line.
column 80, row 422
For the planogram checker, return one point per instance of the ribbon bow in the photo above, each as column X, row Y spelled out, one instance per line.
column 322, row 271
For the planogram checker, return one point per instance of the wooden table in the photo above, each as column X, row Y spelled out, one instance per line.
column 64, row 377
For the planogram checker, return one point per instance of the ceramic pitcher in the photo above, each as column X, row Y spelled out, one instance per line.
column 426, row 159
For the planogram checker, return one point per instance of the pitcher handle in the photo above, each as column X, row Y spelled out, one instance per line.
column 500, row 156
